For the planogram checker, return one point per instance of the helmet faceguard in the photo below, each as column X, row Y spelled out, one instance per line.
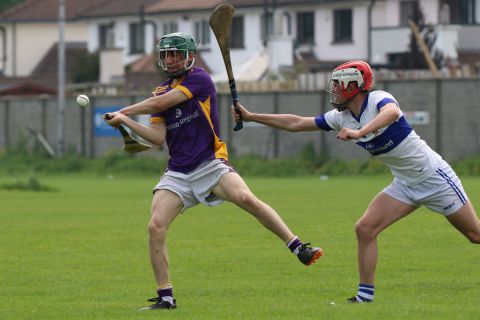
column 174, row 54
column 358, row 72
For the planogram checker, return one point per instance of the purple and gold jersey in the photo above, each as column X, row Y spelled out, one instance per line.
column 192, row 126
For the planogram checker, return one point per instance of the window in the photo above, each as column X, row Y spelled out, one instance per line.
column 305, row 28
column 202, row 33
column 170, row 27
column 342, row 25
column 266, row 27
column 236, row 34
column 408, row 11
column 461, row 11
column 137, row 38
column 106, row 36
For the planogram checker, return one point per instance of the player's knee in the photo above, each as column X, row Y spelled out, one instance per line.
column 246, row 199
column 157, row 229
column 364, row 230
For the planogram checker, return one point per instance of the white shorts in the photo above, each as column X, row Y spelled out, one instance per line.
column 442, row 192
column 196, row 186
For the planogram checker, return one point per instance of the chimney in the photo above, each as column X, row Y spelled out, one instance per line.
column 111, row 66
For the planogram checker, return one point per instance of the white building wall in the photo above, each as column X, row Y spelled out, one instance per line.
column 252, row 45
column 185, row 25
column 27, row 44
column 325, row 49
column 447, row 40
column 383, row 44
column 323, row 33
column 385, row 18
column 431, row 10
column 477, row 11
column 111, row 65
column 360, row 36
column 7, row 65
column 93, row 36
column 150, row 41
column 392, row 14
column 379, row 16
column 122, row 37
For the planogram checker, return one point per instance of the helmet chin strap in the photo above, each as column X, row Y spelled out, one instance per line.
column 180, row 73
column 343, row 106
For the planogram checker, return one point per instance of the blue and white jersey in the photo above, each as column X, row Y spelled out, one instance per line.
column 397, row 145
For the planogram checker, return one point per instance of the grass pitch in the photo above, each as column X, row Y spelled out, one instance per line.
column 81, row 253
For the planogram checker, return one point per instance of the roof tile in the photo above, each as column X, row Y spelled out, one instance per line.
column 184, row 5
column 117, row 8
column 46, row 10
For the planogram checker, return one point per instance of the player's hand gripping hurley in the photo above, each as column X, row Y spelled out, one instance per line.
column 130, row 145
column 220, row 22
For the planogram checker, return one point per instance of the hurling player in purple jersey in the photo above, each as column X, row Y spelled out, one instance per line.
column 374, row 121
column 184, row 113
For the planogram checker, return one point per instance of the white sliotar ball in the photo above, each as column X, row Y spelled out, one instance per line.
column 83, row 100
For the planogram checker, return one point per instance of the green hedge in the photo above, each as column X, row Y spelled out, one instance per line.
column 306, row 163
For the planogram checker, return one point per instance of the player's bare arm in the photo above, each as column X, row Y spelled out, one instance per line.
column 154, row 134
column 288, row 122
column 388, row 114
column 156, row 104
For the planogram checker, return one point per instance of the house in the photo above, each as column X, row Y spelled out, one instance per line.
column 269, row 38
column 30, row 29
column 455, row 22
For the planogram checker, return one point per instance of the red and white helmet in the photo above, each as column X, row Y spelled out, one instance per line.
column 352, row 71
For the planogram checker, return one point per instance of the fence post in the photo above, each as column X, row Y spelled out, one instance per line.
column 324, row 155
column 275, row 131
column 438, row 123
column 91, row 136
column 43, row 124
column 83, row 132
column 6, row 122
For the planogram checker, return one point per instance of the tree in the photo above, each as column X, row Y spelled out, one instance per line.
column 86, row 68
column 5, row 4
column 414, row 57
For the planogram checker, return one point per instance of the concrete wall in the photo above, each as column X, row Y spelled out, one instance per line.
column 453, row 129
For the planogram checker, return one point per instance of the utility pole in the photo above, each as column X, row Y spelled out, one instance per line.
column 61, row 76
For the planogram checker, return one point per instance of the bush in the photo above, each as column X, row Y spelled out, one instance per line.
column 32, row 184
column 86, row 68
column 467, row 167
column 256, row 166
column 119, row 162
column 114, row 162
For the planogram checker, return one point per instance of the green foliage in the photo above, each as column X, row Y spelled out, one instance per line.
column 112, row 163
column 31, row 184
column 5, row 4
column 121, row 162
column 259, row 167
column 467, row 167
column 86, row 68
column 17, row 159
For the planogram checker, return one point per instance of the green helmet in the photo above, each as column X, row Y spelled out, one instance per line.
column 179, row 45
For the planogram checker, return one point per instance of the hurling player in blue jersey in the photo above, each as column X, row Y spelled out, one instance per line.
column 374, row 121
column 184, row 113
